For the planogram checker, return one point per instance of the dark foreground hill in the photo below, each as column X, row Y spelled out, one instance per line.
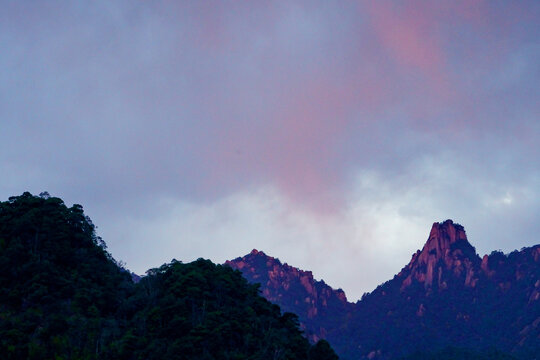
column 446, row 303
column 62, row 296
column 60, row 291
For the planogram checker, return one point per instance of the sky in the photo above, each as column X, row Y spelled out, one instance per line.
column 331, row 135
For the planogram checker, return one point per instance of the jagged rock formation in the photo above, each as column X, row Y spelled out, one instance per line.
column 321, row 309
column 446, row 250
column 446, row 296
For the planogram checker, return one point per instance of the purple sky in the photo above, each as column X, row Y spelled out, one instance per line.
column 328, row 134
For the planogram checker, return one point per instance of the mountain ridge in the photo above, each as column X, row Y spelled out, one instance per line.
column 297, row 290
column 63, row 296
column 446, row 295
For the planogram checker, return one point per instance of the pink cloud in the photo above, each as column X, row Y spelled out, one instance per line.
column 293, row 96
column 294, row 144
column 407, row 33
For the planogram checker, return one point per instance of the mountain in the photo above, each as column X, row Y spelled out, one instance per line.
column 63, row 296
column 206, row 311
column 60, row 291
column 446, row 257
column 447, row 297
column 322, row 310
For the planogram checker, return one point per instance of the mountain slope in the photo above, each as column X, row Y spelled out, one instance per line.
column 447, row 296
column 60, row 291
column 62, row 296
column 322, row 310
column 205, row 311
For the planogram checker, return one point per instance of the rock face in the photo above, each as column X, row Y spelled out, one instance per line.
column 319, row 307
column 447, row 255
column 446, row 296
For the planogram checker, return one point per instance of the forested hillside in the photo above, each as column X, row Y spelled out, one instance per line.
column 62, row 296
column 60, row 291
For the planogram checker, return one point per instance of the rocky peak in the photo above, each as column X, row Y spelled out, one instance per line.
column 446, row 250
column 317, row 304
column 445, row 238
column 442, row 236
column 272, row 274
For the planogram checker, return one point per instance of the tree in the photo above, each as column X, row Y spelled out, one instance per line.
column 322, row 351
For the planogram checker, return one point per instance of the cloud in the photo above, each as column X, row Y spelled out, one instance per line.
column 349, row 126
column 384, row 222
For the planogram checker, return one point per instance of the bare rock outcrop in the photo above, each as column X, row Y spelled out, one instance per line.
column 447, row 250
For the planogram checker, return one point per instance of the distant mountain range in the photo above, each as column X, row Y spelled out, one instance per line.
column 446, row 300
column 63, row 296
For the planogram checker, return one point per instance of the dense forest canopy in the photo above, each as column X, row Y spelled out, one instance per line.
column 63, row 296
